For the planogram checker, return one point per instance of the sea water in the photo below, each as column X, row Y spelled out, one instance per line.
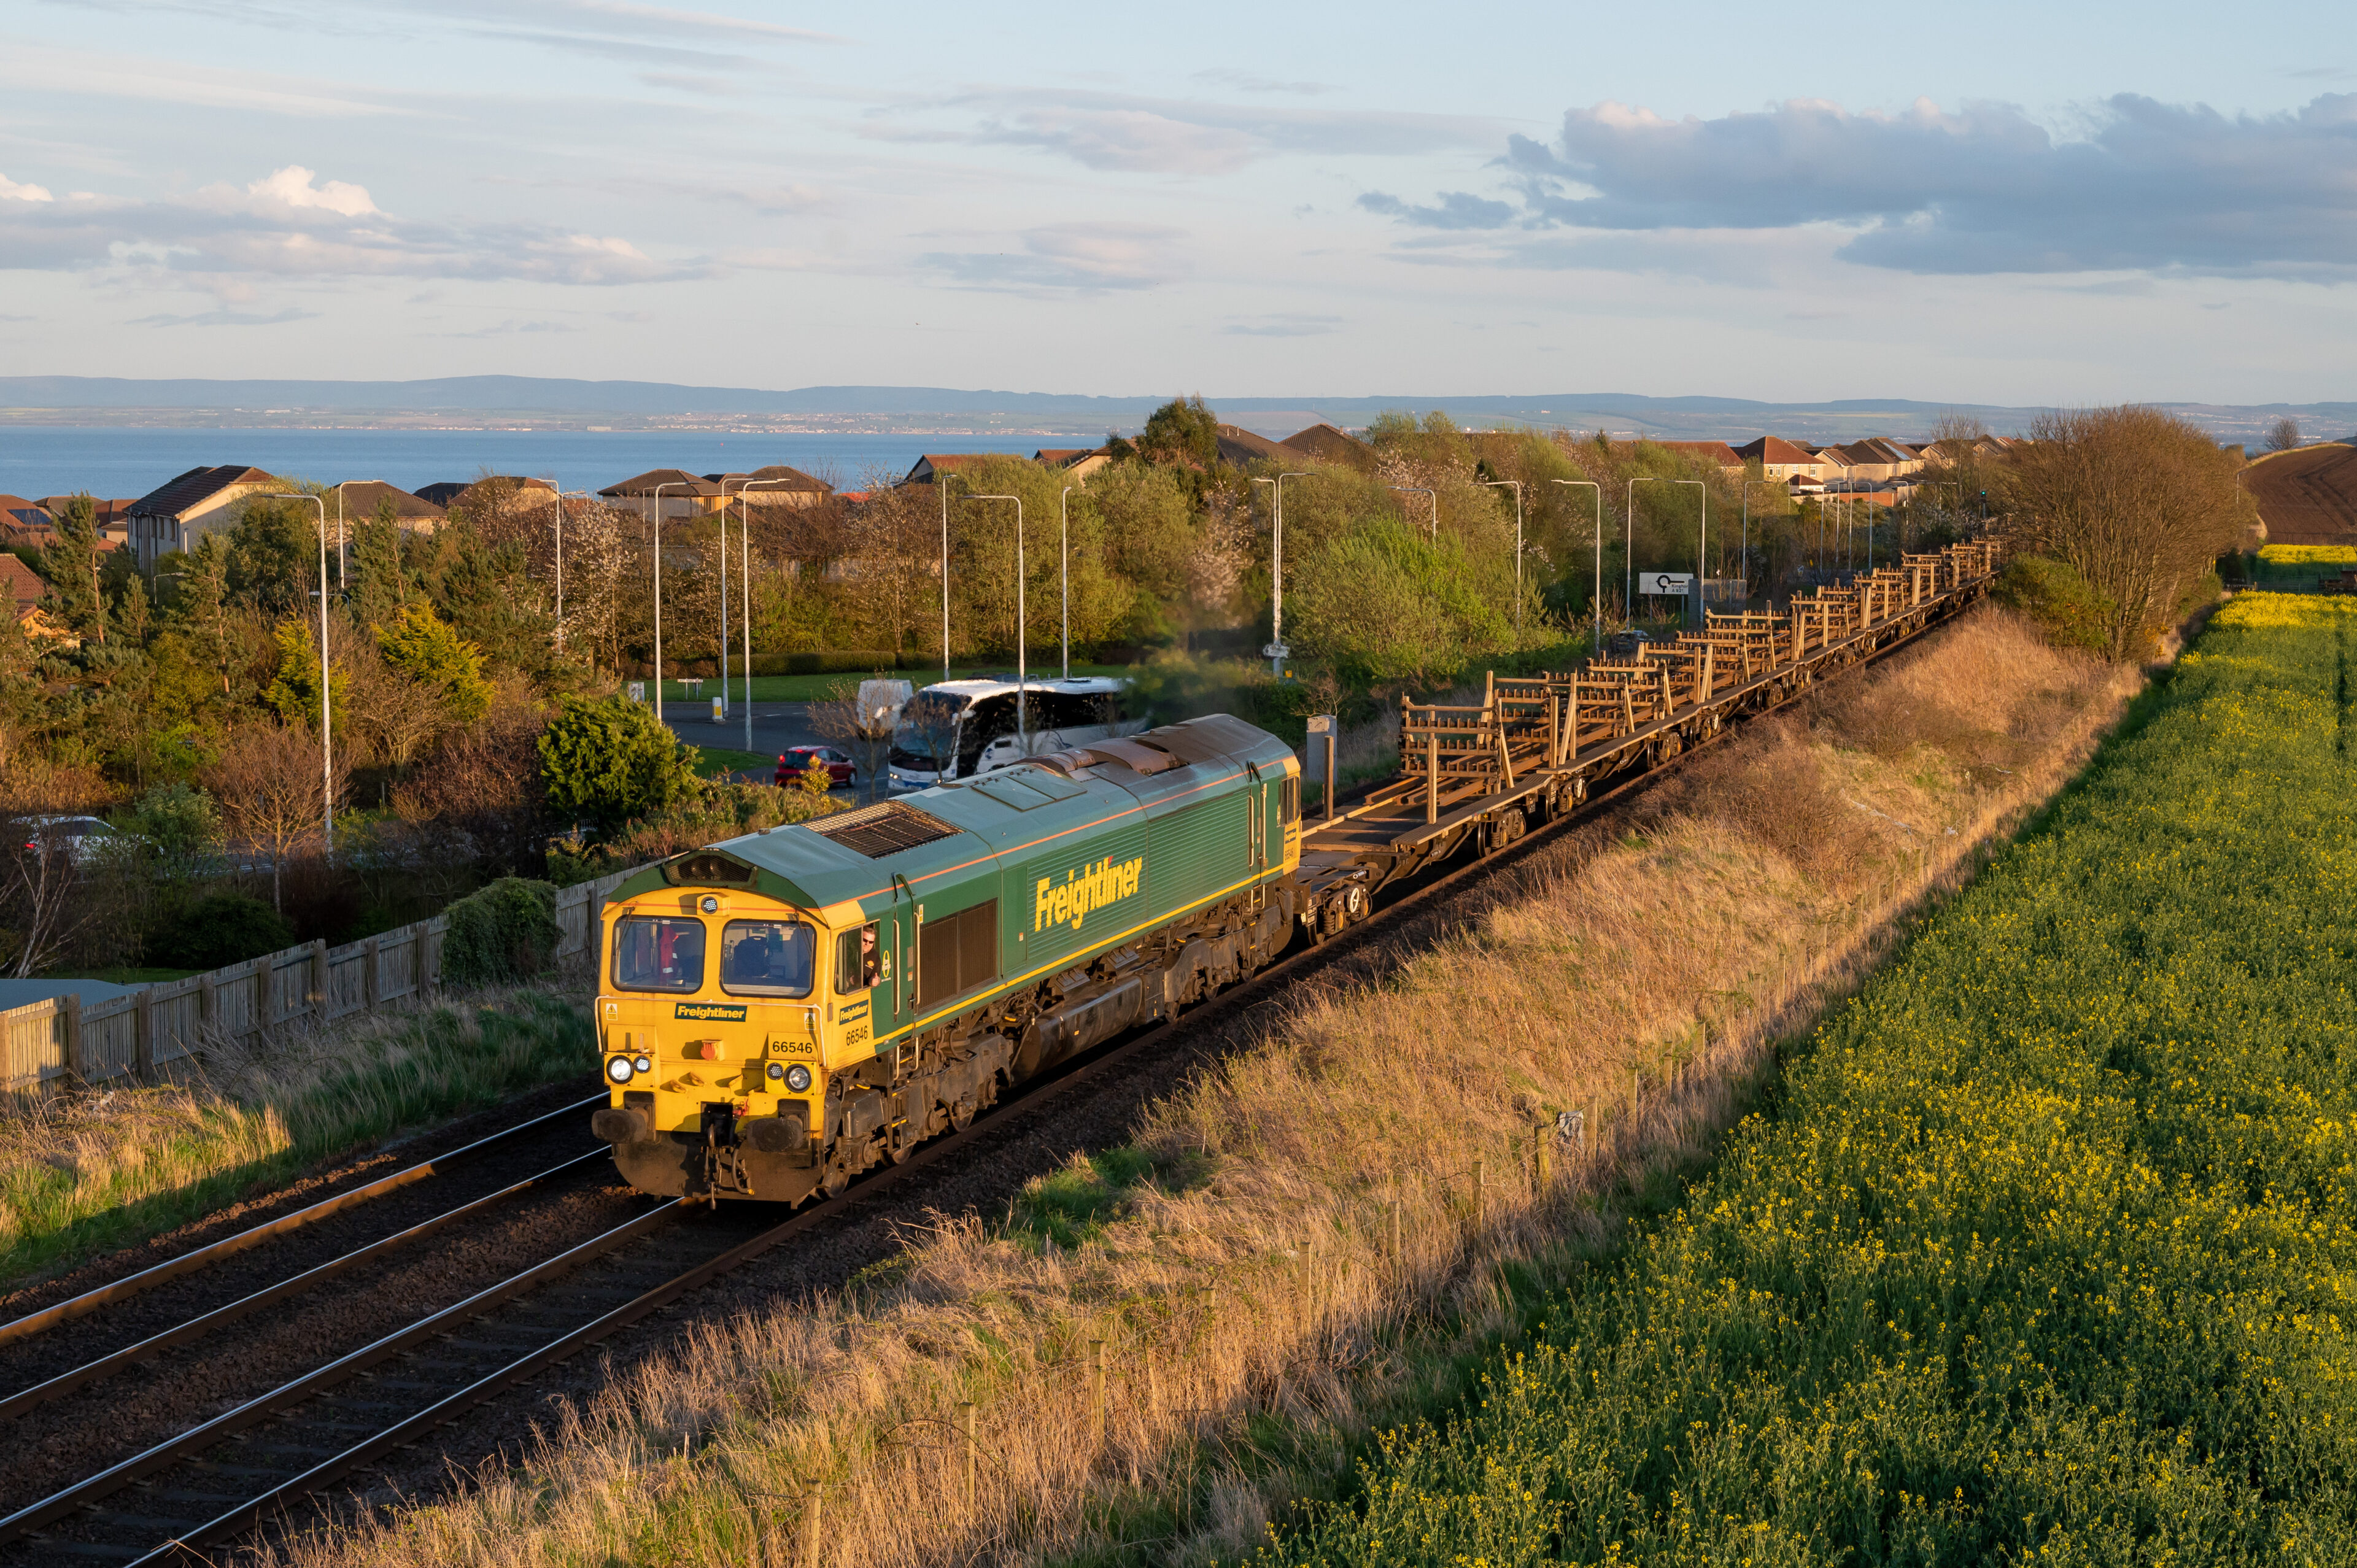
column 125, row 463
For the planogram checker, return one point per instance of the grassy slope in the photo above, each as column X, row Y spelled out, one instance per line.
column 1291, row 1249
column 106, row 1171
column 2047, row 1251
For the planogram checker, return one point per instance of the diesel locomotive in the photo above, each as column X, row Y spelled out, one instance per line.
column 783, row 1011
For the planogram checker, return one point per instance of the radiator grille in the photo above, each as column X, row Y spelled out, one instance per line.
column 883, row 829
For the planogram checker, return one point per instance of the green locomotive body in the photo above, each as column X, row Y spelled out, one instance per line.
column 884, row 973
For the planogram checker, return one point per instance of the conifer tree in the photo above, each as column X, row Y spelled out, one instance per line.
column 71, row 564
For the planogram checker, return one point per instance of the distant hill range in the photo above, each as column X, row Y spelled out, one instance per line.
column 543, row 403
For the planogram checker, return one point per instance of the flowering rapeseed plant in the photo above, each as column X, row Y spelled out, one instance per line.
column 2048, row 1248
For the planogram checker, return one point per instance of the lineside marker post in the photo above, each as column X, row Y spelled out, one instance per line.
column 1096, row 1393
column 812, row 1500
column 965, row 1413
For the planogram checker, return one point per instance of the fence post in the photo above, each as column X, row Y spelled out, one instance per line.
column 208, row 1000
column 142, row 1034
column 372, row 977
column 70, row 1009
column 318, row 997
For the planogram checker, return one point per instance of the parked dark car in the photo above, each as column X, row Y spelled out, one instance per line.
column 796, row 759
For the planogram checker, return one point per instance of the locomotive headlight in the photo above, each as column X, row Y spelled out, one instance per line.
column 776, row 1072
column 798, row 1078
column 618, row 1069
column 643, row 1064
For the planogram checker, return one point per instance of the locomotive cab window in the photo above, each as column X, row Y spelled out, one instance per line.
column 1291, row 794
column 658, row 954
column 859, row 960
column 767, row 958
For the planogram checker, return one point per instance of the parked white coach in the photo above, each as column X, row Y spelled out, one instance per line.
column 956, row 729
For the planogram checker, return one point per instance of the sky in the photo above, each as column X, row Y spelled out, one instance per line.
column 2020, row 204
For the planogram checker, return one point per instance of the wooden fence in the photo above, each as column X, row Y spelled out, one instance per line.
column 139, row 1037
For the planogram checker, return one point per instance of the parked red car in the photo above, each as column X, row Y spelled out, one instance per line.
column 798, row 758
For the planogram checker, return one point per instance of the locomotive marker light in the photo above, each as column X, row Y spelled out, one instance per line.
column 798, row 1078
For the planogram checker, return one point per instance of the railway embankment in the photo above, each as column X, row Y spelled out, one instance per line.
column 1209, row 1313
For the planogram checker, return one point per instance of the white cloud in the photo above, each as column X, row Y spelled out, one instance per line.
column 292, row 187
column 11, row 192
column 1063, row 258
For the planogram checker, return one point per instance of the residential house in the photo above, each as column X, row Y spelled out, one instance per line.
column 775, row 485
column 1717, row 453
column 1876, row 458
column 1078, row 461
column 25, row 525
column 1328, row 444
column 1781, row 459
column 930, row 466
column 1239, row 447
column 669, row 493
column 25, row 589
column 361, row 498
column 183, row 510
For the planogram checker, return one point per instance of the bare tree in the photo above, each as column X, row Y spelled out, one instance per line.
column 863, row 730
column 41, row 894
column 2283, row 435
column 2139, row 502
column 270, row 791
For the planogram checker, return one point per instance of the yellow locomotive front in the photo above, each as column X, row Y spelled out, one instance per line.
column 718, row 1011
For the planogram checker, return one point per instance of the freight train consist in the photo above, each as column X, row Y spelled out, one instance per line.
column 780, row 1011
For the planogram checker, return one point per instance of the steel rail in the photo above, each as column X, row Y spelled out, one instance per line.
column 212, row 1252
column 294, row 1391
column 198, row 1326
column 1252, row 992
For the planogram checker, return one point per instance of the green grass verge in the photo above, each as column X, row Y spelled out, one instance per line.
column 2043, row 1248
column 117, row 1169
column 714, row 760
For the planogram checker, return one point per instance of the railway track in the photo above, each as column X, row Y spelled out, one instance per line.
column 253, row 1464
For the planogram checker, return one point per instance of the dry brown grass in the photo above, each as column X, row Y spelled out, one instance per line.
column 1302, row 1229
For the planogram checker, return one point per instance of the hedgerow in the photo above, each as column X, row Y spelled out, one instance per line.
column 2044, row 1250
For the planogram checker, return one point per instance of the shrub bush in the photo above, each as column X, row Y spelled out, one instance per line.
column 221, row 929
column 612, row 760
column 502, row 932
column 2067, row 610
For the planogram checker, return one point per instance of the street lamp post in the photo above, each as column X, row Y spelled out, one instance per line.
column 1516, row 485
column 1596, row 649
column 1022, row 667
column 1420, row 490
column 745, row 581
column 944, row 481
column 1064, row 556
column 666, row 484
column 1747, row 536
column 1276, row 652
column 326, row 755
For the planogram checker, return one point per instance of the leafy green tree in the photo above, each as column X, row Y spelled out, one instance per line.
column 293, row 692
column 71, row 564
column 1184, row 431
column 2053, row 594
column 383, row 584
column 487, row 595
column 200, row 609
column 611, row 760
column 1386, row 603
column 427, row 650
column 271, row 548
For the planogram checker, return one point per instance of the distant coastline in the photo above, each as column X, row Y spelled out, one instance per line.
column 517, row 404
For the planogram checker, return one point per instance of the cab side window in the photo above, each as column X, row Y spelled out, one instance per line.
column 858, row 960
column 1292, row 794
